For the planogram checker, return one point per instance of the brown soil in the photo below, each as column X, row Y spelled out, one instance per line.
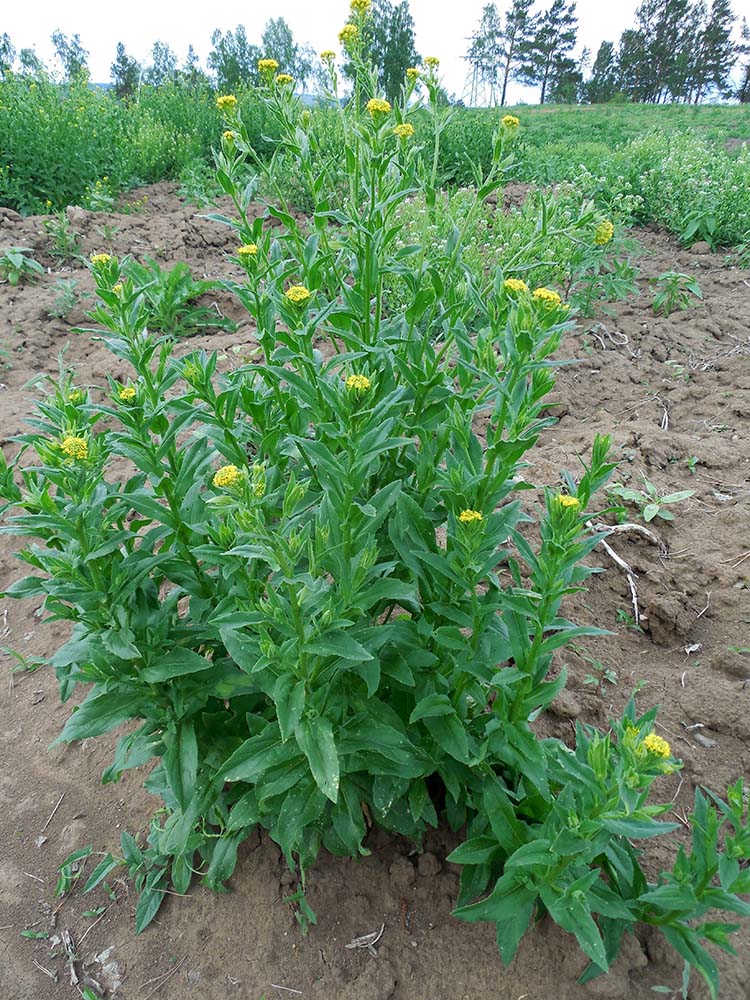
column 667, row 389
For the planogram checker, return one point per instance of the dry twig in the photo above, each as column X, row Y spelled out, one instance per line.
column 49, row 818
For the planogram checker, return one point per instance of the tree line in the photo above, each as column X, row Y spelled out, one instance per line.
column 678, row 51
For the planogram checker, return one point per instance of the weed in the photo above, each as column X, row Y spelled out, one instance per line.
column 649, row 502
column 674, row 291
column 16, row 267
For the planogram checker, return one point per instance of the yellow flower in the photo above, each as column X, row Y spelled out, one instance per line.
column 515, row 285
column 284, row 78
column 75, row 448
column 127, row 394
column 360, row 383
column 404, row 131
column 228, row 136
column 567, row 501
column 226, row 102
column 48, row 203
column 267, row 66
column 547, row 296
column 360, row 6
column 657, row 745
column 226, row 476
column 412, row 73
column 469, row 516
column 432, row 62
column 604, row 233
column 377, row 105
column 510, row 121
column 117, row 289
column 348, row 33
column 297, row 294
column 328, row 55
column 100, row 258
column 76, row 396
column 247, row 250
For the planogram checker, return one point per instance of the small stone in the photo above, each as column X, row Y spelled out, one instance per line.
column 194, row 977
column 704, row 741
column 701, row 247
column 428, row 865
column 565, row 706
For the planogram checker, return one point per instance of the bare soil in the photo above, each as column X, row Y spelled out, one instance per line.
column 668, row 390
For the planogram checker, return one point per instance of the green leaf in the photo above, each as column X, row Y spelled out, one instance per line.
column 105, row 866
column 149, row 903
column 638, row 828
column 99, row 713
column 449, row 733
column 433, row 706
column 176, row 663
column 289, row 696
column 339, row 644
column 315, row 740
column 181, row 761
column 476, row 851
column 501, row 903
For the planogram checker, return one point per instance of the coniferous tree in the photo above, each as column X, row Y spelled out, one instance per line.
column 125, row 73
column 392, row 44
column 233, row 60
column 190, row 73
column 518, row 24
column 604, row 81
column 743, row 90
column 551, row 37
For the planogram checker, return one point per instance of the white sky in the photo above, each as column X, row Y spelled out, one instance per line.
column 442, row 28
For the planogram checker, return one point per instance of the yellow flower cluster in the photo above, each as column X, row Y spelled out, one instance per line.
column 604, row 233
column 100, row 258
column 657, row 745
column 228, row 136
column 267, row 65
column 226, row 476
column 469, row 516
column 510, row 121
column 75, row 448
column 247, row 250
column 412, row 73
column 360, row 6
column 297, row 294
column 567, row 501
column 76, row 396
column 432, row 62
column 515, row 285
column 378, row 105
column 348, row 33
column 127, row 394
column 327, row 55
column 117, row 289
column 360, row 383
column 404, row 131
column 283, row 78
column 226, row 102
column 547, row 296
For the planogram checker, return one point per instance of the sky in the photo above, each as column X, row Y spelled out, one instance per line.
column 442, row 29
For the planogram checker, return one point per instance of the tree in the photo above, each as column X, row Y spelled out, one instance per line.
column 7, row 55
column 233, row 60
column 163, row 65
column 715, row 52
column 518, row 23
column 551, row 36
column 604, row 81
column 392, row 45
column 125, row 73
column 190, row 72
column 667, row 30
column 485, row 54
column 72, row 55
column 278, row 43
column 31, row 64
column 743, row 91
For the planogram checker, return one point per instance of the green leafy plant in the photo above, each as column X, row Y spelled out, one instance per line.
column 16, row 267
column 169, row 297
column 67, row 297
column 674, row 291
column 318, row 589
column 649, row 501
column 66, row 243
column 601, row 675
